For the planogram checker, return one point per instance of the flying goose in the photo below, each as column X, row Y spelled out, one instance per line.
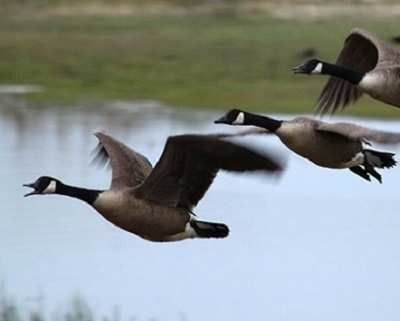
column 366, row 64
column 156, row 203
column 339, row 145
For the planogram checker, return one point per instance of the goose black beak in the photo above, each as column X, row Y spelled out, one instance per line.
column 222, row 120
column 300, row 69
column 32, row 185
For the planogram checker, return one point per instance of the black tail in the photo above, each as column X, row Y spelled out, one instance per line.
column 379, row 159
column 207, row 229
column 373, row 159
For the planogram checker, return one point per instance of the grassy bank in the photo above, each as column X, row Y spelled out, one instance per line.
column 192, row 60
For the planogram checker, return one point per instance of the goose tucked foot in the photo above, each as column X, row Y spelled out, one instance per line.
column 208, row 229
column 370, row 169
column 364, row 172
column 361, row 172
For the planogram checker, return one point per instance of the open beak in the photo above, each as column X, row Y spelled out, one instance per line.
column 300, row 69
column 32, row 185
column 222, row 120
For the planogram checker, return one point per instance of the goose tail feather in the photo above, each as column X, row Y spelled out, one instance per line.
column 209, row 230
column 380, row 159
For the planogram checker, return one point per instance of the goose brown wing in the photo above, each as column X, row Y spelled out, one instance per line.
column 355, row 132
column 190, row 163
column 387, row 55
column 359, row 53
column 129, row 168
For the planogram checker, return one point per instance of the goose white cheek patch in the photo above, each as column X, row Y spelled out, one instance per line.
column 317, row 69
column 239, row 119
column 51, row 189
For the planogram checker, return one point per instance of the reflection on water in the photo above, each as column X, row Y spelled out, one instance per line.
column 317, row 244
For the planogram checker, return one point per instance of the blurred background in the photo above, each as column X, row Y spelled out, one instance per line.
column 314, row 244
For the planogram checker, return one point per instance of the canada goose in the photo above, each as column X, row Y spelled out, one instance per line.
column 156, row 204
column 366, row 64
column 340, row 145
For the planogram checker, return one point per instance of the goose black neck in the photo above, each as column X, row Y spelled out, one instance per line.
column 87, row 195
column 352, row 76
column 268, row 123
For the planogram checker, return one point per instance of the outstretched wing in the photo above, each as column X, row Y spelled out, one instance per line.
column 355, row 132
column 189, row 164
column 129, row 168
column 359, row 53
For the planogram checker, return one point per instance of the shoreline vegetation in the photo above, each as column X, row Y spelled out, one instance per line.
column 76, row 308
column 207, row 54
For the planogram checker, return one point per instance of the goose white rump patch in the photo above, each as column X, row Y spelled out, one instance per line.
column 357, row 160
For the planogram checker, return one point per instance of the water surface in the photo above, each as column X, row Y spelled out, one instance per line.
column 316, row 244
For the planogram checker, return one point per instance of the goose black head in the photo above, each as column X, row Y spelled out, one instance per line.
column 312, row 66
column 232, row 117
column 43, row 185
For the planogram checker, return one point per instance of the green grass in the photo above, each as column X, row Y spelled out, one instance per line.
column 207, row 60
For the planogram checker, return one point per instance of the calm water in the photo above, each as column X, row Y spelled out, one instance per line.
column 316, row 244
